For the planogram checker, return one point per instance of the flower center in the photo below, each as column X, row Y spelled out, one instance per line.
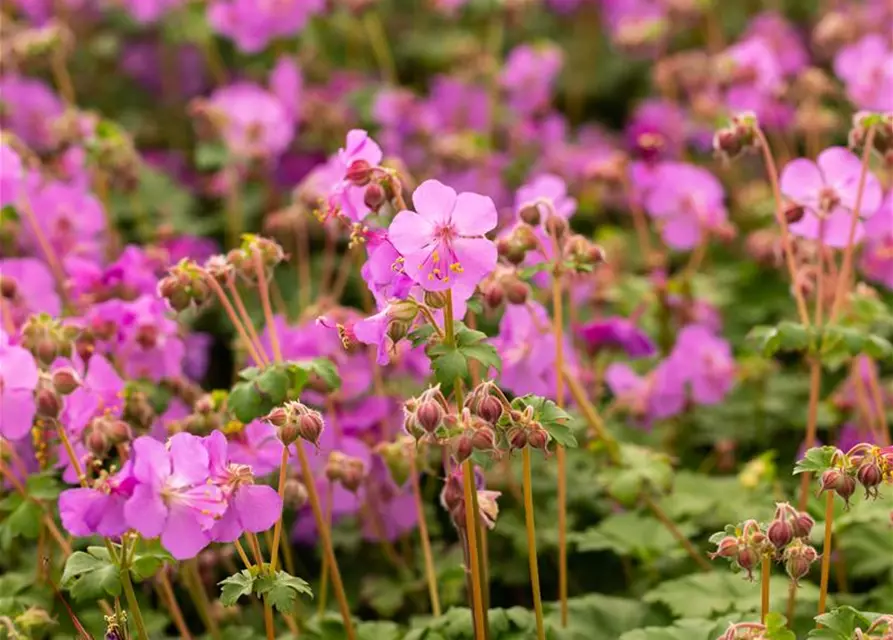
column 828, row 199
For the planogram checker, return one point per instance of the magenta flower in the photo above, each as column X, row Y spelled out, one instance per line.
column 255, row 122
column 344, row 196
column 657, row 130
column 257, row 445
column 785, row 41
column 619, row 333
column 383, row 269
column 877, row 257
column 657, row 396
column 548, row 193
column 29, row 109
column 703, row 361
column 18, row 379
column 443, row 244
column 250, row 507
column 173, row 498
column 687, row 202
column 87, row 511
column 827, row 189
column 132, row 274
column 866, row 68
column 35, row 288
column 253, row 25
column 529, row 76
column 12, row 175
column 456, row 105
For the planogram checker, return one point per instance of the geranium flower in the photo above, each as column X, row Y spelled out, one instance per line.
column 256, row 445
column 442, row 244
column 546, row 188
column 254, row 122
column 657, row 396
column 827, row 189
column 704, row 361
column 253, row 25
column 528, row 77
column 99, row 509
column 619, row 333
column 866, row 67
column 877, row 257
column 35, row 288
column 18, row 379
column 344, row 196
column 173, row 498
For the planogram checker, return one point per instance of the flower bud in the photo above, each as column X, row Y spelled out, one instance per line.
column 870, row 476
column 747, row 558
column 48, row 403
column 517, row 439
column 726, row 548
column 8, row 287
column 397, row 330
column 310, row 427
column 404, row 310
column 727, row 143
column 511, row 251
column 798, row 557
column 780, row 533
column 65, row 380
column 436, row 299
column 493, row 295
column 530, row 214
column 278, row 417
column 147, row 336
column 517, row 291
column 359, row 173
column 429, row 415
column 353, row 474
column 288, row 433
column 803, row 524
column 374, row 196
column 538, row 438
column 334, row 466
column 97, row 442
column 117, row 431
column 794, row 213
column 463, row 447
column 831, row 479
column 295, row 493
column 45, row 350
column 483, row 439
column 557, row 227
column 490, row 409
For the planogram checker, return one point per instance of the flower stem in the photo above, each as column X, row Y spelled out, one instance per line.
column 665, row 520
column 132, row 604
column 812, row 417
column 558, row 329
column 766, row 569
column 277, row 530
column 264, row 286
column 251, row 332
column 324, row 577
column 49, row 253
column 843, row 281
column 167, row 592
column 531, row 547
column 326, row 539
column 269, row 626
column 379, row 42
column 430, row 573
column 196, row 589
column 234, row 318
column 826, row 550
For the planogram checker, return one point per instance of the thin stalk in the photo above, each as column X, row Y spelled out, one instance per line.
column 787, row 245
column 531, row 546
column 277, row 530
column 234, row 212
column 592, row 417
column 430, row 573
column 843, row 282
column 863, row 404
column 6, row 321
column 268, row 620
column 167, row 592
column 766, row 569
column 665, row 520
column 254, row 543
column 302, row 265
column 640, row 222
column 878, row 399
column 49, row 253
column 812, row 417
column 380, row 49
column 200, row 597
column 264, row 287
column 241, row 550
column 326, row 539
column 250, row 329
column 558, row 329
column 134, row 606
column 324, row 578
column 234, row 318
column 826, row 551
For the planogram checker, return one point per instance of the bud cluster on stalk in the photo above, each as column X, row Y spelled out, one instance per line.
column 880, row 629
column 865, row 464
column 242, row 261
column 295, row 420
column 345, row 470
column 740, row 136
column 47, row 338
column 184, row 286
column 487, row 423
column 452, row 499
column 783, row 539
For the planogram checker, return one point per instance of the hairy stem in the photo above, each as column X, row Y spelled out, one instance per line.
column 277, row 530
column 765, row 572
column 430, row 573
column 167, row 592
column 558, row 329
column 665, row 520
column 826, row 551
column 527, row 481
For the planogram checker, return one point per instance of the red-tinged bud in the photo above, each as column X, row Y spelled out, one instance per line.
column 353, row 474
column 172, row 289
column 463, row 447
column 397, row 330
column 727, row 143
column 747, row 558
column 511, row 251
column 727, row 548
column 278, row 417
column 46, row 350
column 530, row 214
column 118, row 432
column 85, row 345
column 288, row 433
column 359, row 173
column 798, row 558
column 374, row 196
column 310, row 427
column 452, row 495
column 538, row 438
column 483, row 439
column 780, row 533
column 831, row 480
column 794, row 213
column 147, row 336
column 65, row 380
column 517, row 439
column 97, row 442
column 803, row 524
column 490, row 409
column 870, row 476
column 205, row 406
column 430, row 415
column 48, row 403
column 493, row 294
column 517, row 292
column 557, row 227
column 295, row 493
column 8, row 287
column 436, row 299
column 334, row 466
column 847, row 488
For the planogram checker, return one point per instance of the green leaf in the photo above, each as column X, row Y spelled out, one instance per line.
column 816, row 460
column 87, row 577
column 841, row 623
column 273, row 383
column 878, row 348
column 25, row 519
column 146, row 564
column 685, row 629
column 43, row 486
column 448, row 363
column 210, row 156
column 421, row 336
column 235, row 586
column 282, row 591
column 245, row 402
column 776, row 628
column 321, row 368
column 641, row 471
column 486, row 354
column 631, row 534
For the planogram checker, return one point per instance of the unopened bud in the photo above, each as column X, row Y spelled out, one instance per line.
column 353, row 474
column 65, row 380
column 118, row 432
column 48, row 403
column 511, row 251
column 557, row 227
column 538, row 438
column 45, row 350
column 295, row 493
column 436, row 299
column 278, row 417
column 288, row 433
column 870, row 476
column 359, row 173
column 463, row 448
column 780, row 533
column 726, row 548
column 747, row 558
column 429, row 415
column 97, row 442
column 403, row 310
column 803, row 524
column 483, row 439
column 517, row 439
column 490, row 409
column 530, row 214
column 374, row 196
column 517, row 291
column 147, row 336
column 493, row 295
column 310, row 427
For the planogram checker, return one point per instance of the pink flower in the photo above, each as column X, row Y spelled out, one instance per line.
column 344, row 196
column 443, row 243
column 173, row 498
column 253, row 24
column 29, row 109
column 549, row 189
column 877, row 258
column 146, row 11
column 529, row 75
column 18, row 378
column 256, row 123
column 258, row 446
column 35, row 288
column 827, row 189
column 866, row 68
column 87, row 511
column 705, row 362
column 12, row 175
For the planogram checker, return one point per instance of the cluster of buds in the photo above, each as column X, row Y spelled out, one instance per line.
column 581, row 254
column 730, row 142
column 138, row 409
column 475, row 434
column 788, row 525
column 745, row 548
column 880, row 629
column 376, row 182
column 882, row 123
column 865, row 464
column 46, row 338
column 345, row 470
column 524, row 431
column 504, row 285
column 294, row 420
column 104, row 432
column 745, row 631
column 514, row 246
column 428, row 418
column 798, row 557
column 207, row 415
column 243, row 259
column 50, row 389
column 184, row 286
column 452, row 498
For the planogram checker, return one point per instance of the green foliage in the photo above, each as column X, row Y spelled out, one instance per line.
column 834, row 343
column 91, row 575
column 260, row 390
column 280, row 590
column 450, row 361
column 777, row 627
column 553, row 418
column 816, row 460
column 642, row 471
column 841, row 623
column 685, row 629
column 631, row 534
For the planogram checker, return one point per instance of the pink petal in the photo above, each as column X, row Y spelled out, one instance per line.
column 16, row 413
column 182, row 535
column 681, row 232
column 435, row 202
column 145, row 511
column 621, row 379
column 410, row 232
column 189, row 459
column 19, row 370
column 474, row 214
column 842, row 170
column 76, row 510
column 477, row 256
column 228, row 528
column 151, row 461
column 258, row 506
column 801, row 181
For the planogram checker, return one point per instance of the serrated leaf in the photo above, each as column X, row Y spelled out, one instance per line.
column 776, row 627
column 235, row 586
column 25, row 519
column 43, row 486
column 448, row 363
column 421, row 336
column 486, row 354
column 841, row 623
column 816, row 460
column 631, row 534
column 273, row 383
column 685, row 629
column 878, row 348
column 282, row 591
column 87, row 577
